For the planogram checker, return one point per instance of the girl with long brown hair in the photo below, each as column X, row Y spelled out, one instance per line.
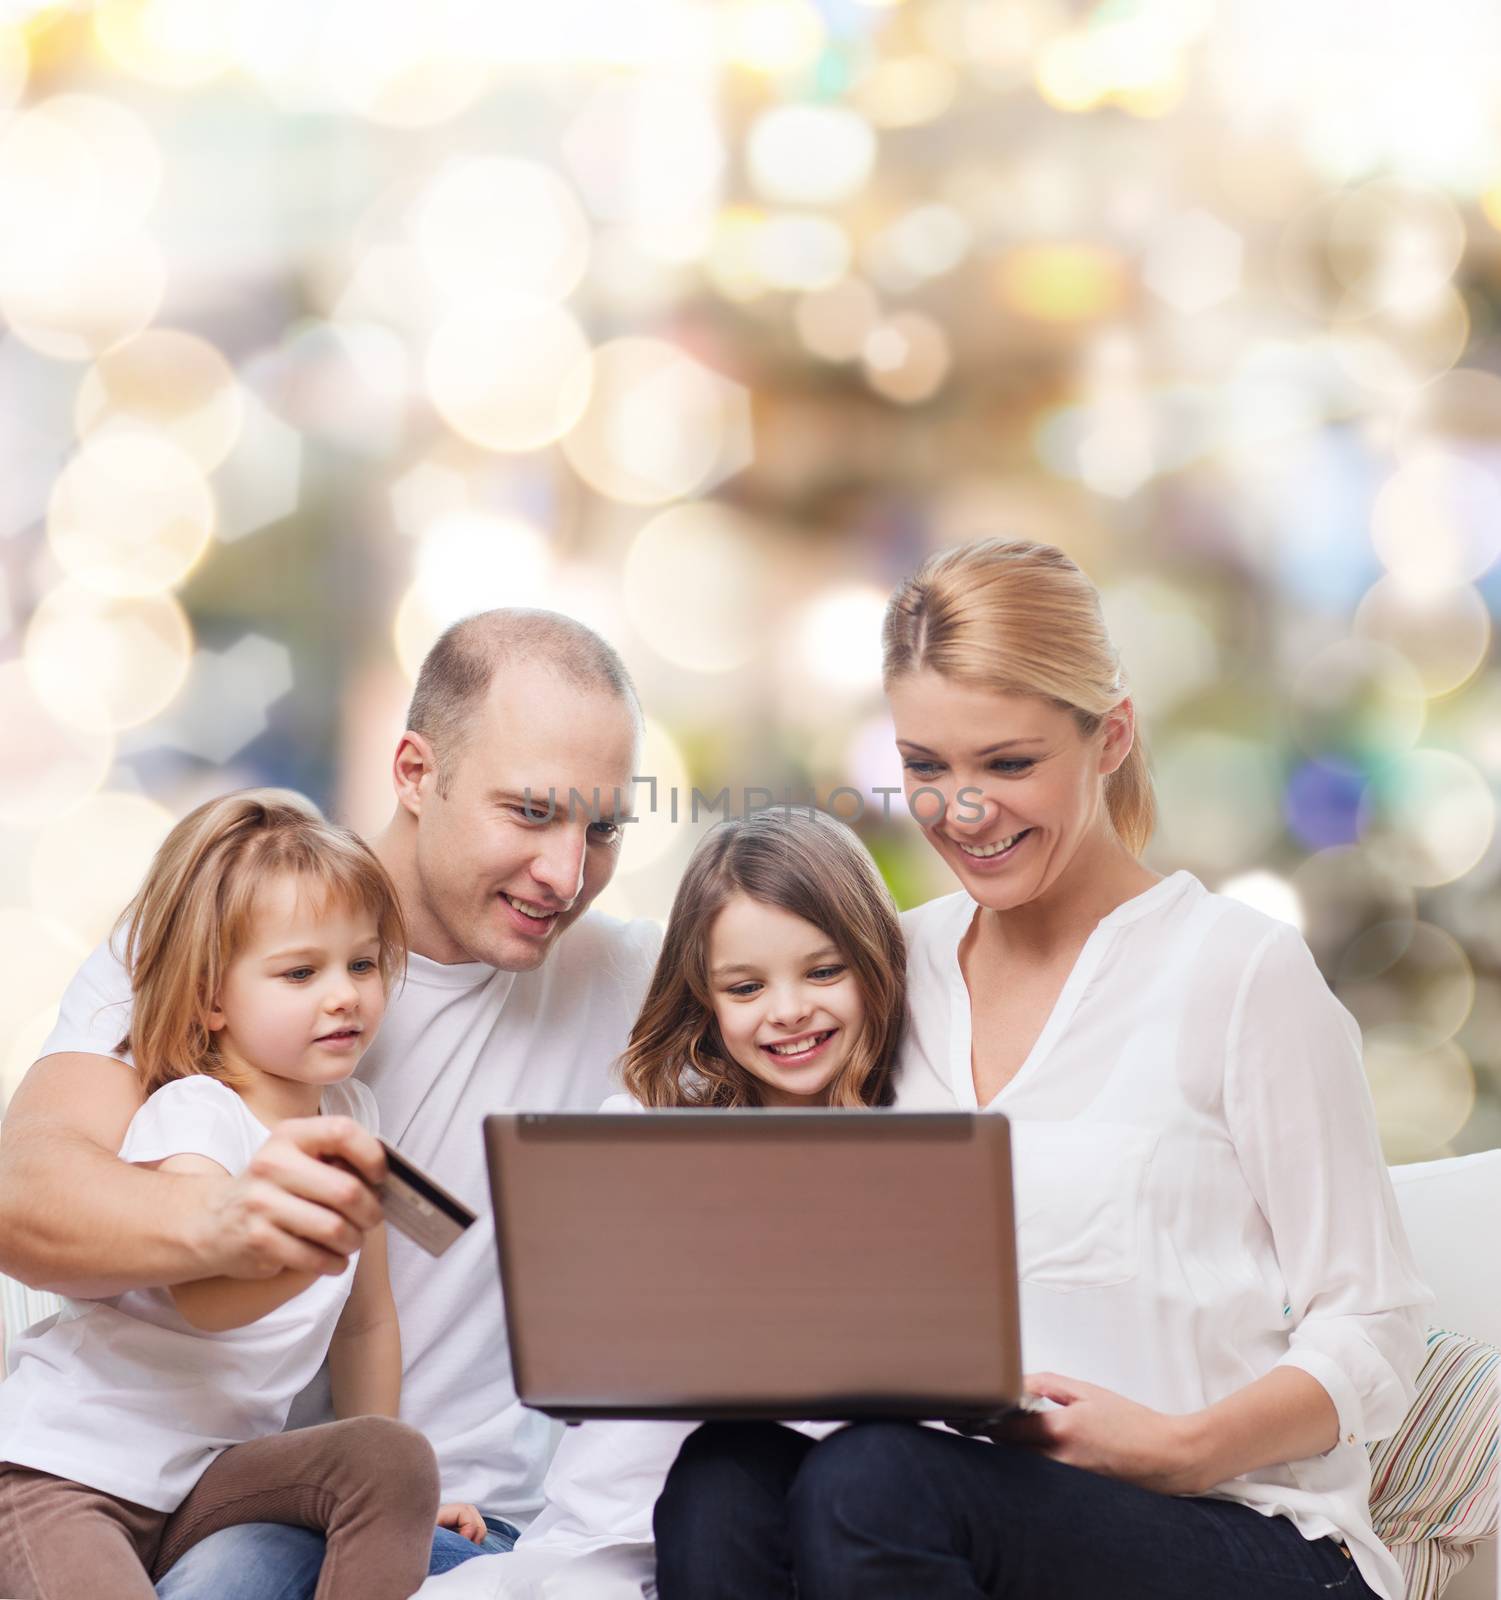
column 781, row 977
column 781, row 984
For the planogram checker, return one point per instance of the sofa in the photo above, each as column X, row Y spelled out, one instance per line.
column 1452, row 1211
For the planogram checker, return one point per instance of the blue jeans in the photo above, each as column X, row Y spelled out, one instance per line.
column 274, row 1561
column 888, row 1510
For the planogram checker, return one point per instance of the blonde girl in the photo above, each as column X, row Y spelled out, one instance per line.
column 262, row 947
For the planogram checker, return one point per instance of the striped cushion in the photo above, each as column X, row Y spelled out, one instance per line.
column 1433, row 1483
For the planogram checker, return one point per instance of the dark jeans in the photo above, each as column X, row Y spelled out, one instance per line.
column 889, row 1511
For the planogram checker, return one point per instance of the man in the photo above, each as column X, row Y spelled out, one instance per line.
column 514, row 998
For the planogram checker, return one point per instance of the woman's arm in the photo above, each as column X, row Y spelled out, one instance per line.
column 364, row 1360
column 1284, row 1416
column 1299, row 1113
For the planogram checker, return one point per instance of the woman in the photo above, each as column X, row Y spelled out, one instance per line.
column 1214, row 1276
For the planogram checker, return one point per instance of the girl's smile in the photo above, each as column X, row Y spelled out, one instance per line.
column 785, row 1002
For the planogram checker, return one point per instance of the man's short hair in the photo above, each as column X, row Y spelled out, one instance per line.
column 457, row 672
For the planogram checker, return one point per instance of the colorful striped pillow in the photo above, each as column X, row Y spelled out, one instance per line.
column 1433, row 1483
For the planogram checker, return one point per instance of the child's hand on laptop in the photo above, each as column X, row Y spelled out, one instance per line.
column 463, row 1519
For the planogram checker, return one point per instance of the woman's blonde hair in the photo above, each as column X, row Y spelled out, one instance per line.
column 193, row 913
column 803, row 862
column 1022, row 619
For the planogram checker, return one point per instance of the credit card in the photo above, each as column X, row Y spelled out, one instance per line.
column 420, row 1207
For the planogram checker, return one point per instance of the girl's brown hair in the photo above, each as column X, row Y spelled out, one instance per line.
column 194, row 911
column 1021, row 618
column 811, row 865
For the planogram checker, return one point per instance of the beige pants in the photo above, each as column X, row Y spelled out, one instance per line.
column 369, row 1485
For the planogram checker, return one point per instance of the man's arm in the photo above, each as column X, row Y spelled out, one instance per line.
column 76, row 1219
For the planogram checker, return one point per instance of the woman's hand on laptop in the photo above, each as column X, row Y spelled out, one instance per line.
column 292, row 1208
column 463, row 1519
column 1104, row 1432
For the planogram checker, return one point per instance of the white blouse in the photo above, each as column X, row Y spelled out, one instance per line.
column 1200, row 1190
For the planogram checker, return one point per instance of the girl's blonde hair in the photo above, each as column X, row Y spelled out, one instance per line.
column 193, row 913
column 803, row 862
column 1022, row 619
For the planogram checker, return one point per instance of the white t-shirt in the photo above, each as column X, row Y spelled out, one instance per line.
column 457, row 1043
column 1201, row 1194
column 124, row 1394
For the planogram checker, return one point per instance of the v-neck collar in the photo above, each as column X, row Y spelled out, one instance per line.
column 961, row 1015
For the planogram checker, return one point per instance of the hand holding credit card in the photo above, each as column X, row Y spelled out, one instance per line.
column 420, row 1207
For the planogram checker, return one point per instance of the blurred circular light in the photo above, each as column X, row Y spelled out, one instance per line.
column 178, row 43
column 1061, row 283
column 1356, row 700
column 647, row 152
column 349, row 381
column 733, row 261
column 498, row 224
column 469, row 561
column 404, row 66
column 1444, row 633
column 810, row 155
column 907, row 357
column 1397, row 351
column 1431, row 815
column 1343, row 892
column 1067, row 73
column 72, row 309
column 36, row 962
column 1193, row 262
column 1461, row 407
column 1437, row 520
column 104, row 664
column 655, row 833
column 509, row 373
column 841, row 637
column 658, row 423
column 1322, row 804
column 1220, row 799
column 15, row 67
column 834, row 323
column 52, row 766
column 772, row 36
column 86, row 866
column 1395, row 243
column 1411, row 975
column 130, row 514
column 49, row 184
column 1169, row 650
column 693, row 586
column 921, row 244
column 174, row 383
column 793, row 251
column 906, row 91
column 122, row 152
column 1267, row 893
column 1424, row 1093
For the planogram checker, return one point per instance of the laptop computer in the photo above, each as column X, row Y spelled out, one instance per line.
column 814, row 1265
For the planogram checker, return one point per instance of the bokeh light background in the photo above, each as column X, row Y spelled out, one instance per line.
column 325, row 324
